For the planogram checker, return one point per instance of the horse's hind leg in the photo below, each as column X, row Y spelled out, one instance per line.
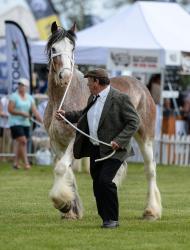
column 64, row 193
column 153, row 209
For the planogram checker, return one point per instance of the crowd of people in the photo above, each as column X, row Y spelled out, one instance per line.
column 169, row 109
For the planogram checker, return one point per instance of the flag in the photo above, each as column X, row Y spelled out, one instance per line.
column 18, row 55
column 44, row 14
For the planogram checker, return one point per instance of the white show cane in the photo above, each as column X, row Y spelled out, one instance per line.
column 99, row 141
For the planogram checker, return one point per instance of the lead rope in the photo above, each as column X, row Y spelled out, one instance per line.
column 73, row 126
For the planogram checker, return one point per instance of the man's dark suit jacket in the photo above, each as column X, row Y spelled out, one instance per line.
column 118, row 122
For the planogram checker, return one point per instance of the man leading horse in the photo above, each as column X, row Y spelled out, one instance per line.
column 110, row 117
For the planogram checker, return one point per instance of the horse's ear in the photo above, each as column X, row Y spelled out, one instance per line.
column 54, row 27
column 74, row 28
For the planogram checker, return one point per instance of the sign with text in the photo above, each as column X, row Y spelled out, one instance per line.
column 135, row 61
column 18, row 56
column 172, row 58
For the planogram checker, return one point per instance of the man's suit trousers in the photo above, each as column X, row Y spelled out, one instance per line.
column 105, row 191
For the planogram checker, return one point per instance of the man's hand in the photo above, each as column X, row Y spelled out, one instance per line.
column 58, row 113
column 115, row 146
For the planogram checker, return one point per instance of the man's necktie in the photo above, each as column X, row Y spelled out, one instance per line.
column 90, row 105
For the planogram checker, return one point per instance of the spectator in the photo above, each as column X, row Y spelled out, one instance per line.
column 5, row 142
column 20, row 106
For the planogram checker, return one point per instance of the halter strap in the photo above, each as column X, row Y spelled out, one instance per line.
column 62, row 53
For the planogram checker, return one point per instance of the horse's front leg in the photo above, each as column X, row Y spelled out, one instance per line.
column 64, row 193
column 153, row 209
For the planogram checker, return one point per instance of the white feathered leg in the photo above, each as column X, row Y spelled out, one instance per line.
column 121, row 174
column 153, row 209
column 64, row 193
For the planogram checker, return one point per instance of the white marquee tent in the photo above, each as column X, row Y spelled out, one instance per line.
column 145, row 37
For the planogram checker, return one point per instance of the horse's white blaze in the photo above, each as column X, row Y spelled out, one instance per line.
column 64, row 50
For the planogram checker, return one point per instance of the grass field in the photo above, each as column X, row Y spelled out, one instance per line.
column 28, row 220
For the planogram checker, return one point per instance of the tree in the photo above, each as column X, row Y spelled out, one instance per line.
column 72, row 10
column 78, row 10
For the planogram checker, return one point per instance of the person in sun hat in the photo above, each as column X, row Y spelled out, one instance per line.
column 109, row 117
column 21, row 106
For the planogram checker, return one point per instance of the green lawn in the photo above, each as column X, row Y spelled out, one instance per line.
column 28, row 220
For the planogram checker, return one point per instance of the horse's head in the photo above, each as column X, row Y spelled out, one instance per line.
column 60, row 49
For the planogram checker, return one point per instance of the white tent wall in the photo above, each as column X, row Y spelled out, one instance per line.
column 38, row 53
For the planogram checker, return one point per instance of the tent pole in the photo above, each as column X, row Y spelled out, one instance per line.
column 162, row 81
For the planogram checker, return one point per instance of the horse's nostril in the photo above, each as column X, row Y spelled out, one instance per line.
column 60, row 76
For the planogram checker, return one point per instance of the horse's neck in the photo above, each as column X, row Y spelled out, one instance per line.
column 77, row 94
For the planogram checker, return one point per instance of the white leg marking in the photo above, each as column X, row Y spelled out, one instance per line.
column 153, row 208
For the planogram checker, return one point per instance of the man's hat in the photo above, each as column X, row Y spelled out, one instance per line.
column 24, row 82
column 100, row 73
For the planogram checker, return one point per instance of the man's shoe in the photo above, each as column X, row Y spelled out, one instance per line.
column 110, row 224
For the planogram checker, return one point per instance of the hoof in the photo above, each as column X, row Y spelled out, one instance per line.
column 69, row 216
column 66, row 208
column 150, row 216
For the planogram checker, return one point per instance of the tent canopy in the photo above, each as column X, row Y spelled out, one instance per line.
column 146, row 34
column 144, row 25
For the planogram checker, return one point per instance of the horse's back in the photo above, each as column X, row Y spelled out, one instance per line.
column 142, row 101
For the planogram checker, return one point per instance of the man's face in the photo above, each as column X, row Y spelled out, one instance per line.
column 93, row 85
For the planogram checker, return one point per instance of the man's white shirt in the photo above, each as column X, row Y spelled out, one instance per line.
column 94, row 114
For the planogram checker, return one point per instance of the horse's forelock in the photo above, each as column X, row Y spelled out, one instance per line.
column 58, row 36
